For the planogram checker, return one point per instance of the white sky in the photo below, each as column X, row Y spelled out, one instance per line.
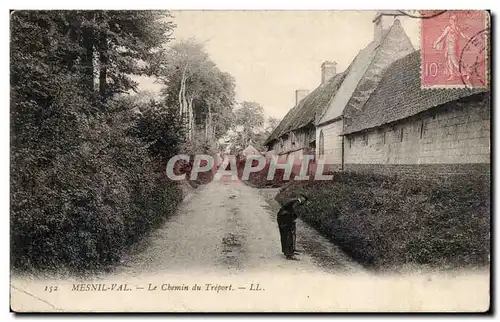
column 273, row 53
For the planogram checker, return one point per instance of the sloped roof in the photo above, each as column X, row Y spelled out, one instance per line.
column 350, row 94
column 309, row 108
column 396, row 45
column 356, row 71
column 399, row 95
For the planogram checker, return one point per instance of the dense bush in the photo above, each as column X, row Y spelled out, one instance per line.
column 85, row 180
column 81, row 197
column 386, row 221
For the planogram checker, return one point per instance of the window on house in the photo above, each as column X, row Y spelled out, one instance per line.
column 321, row 143
column 401, row 134
column 422, row 129
column 383, row 137
column 365, row 139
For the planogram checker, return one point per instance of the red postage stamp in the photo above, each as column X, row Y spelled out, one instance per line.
column 454, row 49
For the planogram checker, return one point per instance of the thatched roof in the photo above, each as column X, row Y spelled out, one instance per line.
column 309, row 108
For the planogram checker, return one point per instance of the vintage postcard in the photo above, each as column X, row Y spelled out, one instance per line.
column 250, row 161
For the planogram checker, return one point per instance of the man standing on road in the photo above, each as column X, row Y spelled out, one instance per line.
column 287, row 217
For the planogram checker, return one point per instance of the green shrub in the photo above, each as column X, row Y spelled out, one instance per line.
column 86, row 175
column 83, row 191
column 386, row 221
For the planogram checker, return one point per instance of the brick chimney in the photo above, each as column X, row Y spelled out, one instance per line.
column 383, row 21
column 328, row 70
column 300, row 94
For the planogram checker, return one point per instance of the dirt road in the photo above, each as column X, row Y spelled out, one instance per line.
column 229, row 226
column 221, row 252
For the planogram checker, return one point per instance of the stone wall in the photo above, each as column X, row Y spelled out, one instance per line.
column 427, row 171
column 332, row 143
column 454, row 137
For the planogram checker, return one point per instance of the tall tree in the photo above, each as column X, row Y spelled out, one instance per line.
column 248, row 121
column 203, row 93
column 82, row 185
column 272, row 123
column 114, row 43
column 128, row 42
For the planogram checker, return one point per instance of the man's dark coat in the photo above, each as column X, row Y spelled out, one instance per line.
column 287, row 226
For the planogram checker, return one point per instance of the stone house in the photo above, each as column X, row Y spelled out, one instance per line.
column 375, row 117
column 390, row 43
column 405, row 129
column 296, row 133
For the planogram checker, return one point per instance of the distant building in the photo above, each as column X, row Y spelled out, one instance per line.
column 296, row 134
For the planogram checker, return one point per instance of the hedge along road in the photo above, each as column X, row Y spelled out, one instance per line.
column 231, row 227
column 226, row 234
column 223, row 229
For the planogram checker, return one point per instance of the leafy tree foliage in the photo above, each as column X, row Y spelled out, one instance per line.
column 203, row 94
column 85, row 182
column 248, row 122
column 158, row 125
column 272, row 123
